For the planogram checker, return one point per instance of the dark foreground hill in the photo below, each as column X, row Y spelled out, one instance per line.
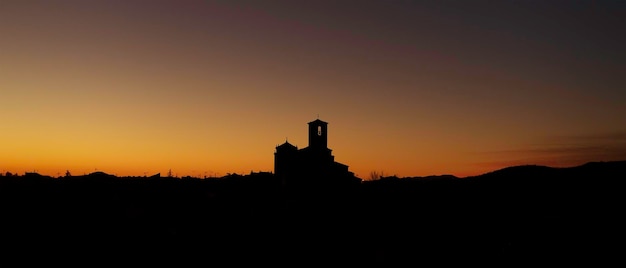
column 526, row 215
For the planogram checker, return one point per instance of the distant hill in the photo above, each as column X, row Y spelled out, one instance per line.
column 601, row 168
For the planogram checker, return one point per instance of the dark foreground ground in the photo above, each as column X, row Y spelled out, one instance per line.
column 529, row 215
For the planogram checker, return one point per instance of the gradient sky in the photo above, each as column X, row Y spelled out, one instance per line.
column 410, row 88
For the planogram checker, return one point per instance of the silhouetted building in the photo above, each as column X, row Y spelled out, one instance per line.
column 311, row 165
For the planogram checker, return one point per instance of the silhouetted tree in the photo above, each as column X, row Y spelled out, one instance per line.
column 67, row 173
column 375, row 175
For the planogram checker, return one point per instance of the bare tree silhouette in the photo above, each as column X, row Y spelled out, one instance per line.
column 376, row 175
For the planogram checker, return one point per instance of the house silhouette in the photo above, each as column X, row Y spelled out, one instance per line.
column 312, row 165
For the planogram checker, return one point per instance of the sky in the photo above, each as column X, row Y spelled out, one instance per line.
column 408, row 88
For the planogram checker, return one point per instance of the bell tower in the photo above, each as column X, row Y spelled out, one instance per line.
column 318, row 135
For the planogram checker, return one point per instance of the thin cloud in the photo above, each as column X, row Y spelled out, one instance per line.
column 610, row 137
column 563, row 151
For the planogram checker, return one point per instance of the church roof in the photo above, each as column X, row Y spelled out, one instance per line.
column 286, row 145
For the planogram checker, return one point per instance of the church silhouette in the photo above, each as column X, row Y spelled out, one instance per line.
column 312, row 165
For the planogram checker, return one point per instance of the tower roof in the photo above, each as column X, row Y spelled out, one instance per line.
column 317, row 121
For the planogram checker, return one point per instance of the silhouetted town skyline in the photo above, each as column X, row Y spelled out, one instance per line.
column 515, row 216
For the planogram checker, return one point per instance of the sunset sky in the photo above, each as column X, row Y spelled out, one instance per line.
column 411, row 88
